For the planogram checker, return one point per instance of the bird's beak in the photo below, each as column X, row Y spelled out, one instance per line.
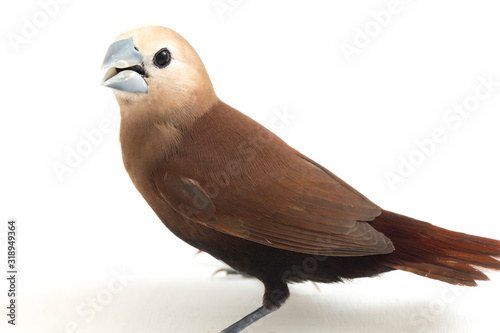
column 125, row 68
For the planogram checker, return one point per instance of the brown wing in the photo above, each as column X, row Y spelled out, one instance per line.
column 233, row 175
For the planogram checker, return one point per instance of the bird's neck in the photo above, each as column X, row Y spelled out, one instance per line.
column 148, row 137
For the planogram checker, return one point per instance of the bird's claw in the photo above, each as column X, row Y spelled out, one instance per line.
column 230, row 271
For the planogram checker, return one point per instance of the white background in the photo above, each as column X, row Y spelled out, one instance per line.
column 356, row 118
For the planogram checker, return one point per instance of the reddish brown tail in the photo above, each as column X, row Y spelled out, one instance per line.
column 437, row 253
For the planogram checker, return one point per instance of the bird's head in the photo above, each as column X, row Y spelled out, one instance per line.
column 154, row 68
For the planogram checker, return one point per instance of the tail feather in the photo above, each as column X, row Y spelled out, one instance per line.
column 435, row 252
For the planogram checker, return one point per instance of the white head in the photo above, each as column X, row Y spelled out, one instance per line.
column 153, row 69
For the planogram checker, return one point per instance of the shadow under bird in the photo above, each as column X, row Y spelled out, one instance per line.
column 228, row 186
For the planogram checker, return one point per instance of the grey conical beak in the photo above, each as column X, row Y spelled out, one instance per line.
column 125, row 68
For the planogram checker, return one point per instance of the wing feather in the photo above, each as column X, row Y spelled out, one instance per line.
column 271, row 194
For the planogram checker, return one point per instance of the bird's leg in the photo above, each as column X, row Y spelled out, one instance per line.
column 275, row 296
column 248, row 320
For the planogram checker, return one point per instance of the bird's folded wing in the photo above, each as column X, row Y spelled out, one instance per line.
column 302, row 208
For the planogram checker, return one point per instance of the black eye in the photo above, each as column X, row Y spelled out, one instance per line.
column 162, row 58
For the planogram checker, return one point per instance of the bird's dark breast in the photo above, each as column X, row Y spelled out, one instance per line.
column 245, row 256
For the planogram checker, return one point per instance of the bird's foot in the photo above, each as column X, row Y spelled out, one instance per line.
column 231, row 272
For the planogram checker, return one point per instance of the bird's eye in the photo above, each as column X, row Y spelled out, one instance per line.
column 162, row 58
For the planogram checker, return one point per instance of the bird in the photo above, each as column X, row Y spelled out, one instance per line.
column 226, row 185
